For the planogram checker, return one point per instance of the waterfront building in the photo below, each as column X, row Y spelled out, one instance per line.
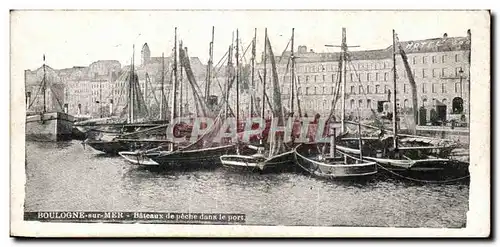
column 440, row 67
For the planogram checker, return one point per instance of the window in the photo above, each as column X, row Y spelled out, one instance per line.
column 433, row 59
column 456, row 57
column 360, row 103
column 324, row 76
column 315, row 78
column 333, row 77
column 443, row 88
column 423, row 73
column 377, row 88
column 352, row 90
column 376, row 76
column 434, row 72
column 424, row 60
column 361, row 89
column 405, row 103
column 367, row 89
column 369, row 103
column 457, row 71
column 405, row 88
column 444, row 101
column 433, row 102
column 414, row 60
column 443, row 58
column 386, row 74
column 307, row 78
column 424, row 89
column 298, row 78
column 352, row 103
column 424, row 102
column 443, row 72
column 367, row 76
column 386, row 89
column 307, row 90
column 433, row 88
column 351, row 77
column 414, row 74
column 457, row 87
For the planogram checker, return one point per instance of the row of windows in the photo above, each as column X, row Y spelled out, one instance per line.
column 372, row 65
column 434, row 59
column 406, row 103
column 378, row 89
column 367, row 77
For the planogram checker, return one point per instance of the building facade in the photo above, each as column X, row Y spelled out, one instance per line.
column 100, row 89
column 440, row 67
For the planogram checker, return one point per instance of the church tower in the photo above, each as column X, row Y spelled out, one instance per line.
column 145, row 54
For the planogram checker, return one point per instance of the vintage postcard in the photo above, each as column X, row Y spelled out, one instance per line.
column 250, row 123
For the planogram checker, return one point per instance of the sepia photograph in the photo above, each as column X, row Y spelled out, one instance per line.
column 250, row 123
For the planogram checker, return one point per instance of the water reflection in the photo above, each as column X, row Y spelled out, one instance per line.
column 65, row 176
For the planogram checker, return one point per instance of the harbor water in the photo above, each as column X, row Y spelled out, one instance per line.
column 66, row 176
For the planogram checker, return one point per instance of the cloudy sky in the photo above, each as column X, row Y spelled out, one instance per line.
column 77, row 38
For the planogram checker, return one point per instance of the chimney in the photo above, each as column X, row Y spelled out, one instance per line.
column 468, row 33
column 445, row 35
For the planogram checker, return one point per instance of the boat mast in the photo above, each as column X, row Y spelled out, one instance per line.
column 344, row 77
column 162, row 85
column 264, row 77
column 209, row 67
column 394, row 75
column 292, row 81
column 174, row 86
column 44, row 86
column 229, row 76
column 237, row 81
column 253, row 70
column 181, row 85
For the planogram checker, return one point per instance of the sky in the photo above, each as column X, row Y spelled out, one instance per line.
column 78, row 38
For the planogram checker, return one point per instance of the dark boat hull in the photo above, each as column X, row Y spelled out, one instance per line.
column 108, row 147
column 254, row 163
column 433, row 170
column 193, row 159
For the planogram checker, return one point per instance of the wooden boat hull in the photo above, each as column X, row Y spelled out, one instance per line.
column 199, row 158
column 425, row 170
column 50, row 126
column 108, row 147
column 140, row 159
column 115, row 146
column 277, row 163
column 332, row 170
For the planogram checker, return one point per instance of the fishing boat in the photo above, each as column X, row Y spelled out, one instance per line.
column 310, row 158
column 277, row 155
column 313, row 159
column 200, row 154
column 47, row 124
column 112, row 137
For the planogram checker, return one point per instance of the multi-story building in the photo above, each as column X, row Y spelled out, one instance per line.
column 100, row 89
column 81, row 91
column 440, row 67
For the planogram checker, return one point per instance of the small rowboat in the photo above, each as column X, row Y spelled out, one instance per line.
column 258, row 161
column 311, row 160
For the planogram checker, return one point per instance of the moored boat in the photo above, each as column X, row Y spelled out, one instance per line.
column 309, row 158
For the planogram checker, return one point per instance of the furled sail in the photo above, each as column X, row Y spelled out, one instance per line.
column 199, row 102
